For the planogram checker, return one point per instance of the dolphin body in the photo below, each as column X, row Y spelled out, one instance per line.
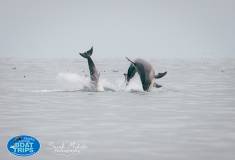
column 94, row 74
column 146, row 73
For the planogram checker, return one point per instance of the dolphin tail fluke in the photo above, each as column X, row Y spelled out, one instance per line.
column 160, row 75
column 87, row 54
column 130, row 60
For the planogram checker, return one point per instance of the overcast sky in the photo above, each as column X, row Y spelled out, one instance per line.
column 157, row 28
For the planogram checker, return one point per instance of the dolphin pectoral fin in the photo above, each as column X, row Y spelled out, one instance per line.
column 156, row 85
column 160, row 75
column 87, row 54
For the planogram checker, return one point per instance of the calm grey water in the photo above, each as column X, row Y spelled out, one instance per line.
column 191, row 117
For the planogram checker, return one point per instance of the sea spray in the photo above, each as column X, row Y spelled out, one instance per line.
column 72, row 81
column 77, row 82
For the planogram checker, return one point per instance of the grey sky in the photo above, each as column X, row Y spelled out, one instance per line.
column 157, row 28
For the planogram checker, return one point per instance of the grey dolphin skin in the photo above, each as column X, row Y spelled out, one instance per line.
column 94, row 74
column 146, row 73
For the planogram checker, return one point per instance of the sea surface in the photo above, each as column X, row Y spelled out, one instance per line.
column 192, row 117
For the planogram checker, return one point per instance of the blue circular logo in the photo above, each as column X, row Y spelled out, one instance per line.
column 23, row 145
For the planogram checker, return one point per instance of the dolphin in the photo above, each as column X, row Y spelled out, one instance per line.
column 94, row 74
column 146, row 73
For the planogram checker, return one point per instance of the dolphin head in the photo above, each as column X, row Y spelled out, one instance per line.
column 146, row 86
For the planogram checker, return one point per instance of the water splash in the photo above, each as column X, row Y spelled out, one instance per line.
column 71, row 82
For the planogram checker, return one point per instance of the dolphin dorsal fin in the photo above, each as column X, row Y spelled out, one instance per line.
column 130, row 60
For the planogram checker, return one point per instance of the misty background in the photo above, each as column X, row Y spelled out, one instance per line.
column 153, row 28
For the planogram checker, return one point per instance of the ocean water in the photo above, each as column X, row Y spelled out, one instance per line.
column 191, row 117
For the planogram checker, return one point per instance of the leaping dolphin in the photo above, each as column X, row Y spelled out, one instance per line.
column 146, row 73
column 94, row 74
